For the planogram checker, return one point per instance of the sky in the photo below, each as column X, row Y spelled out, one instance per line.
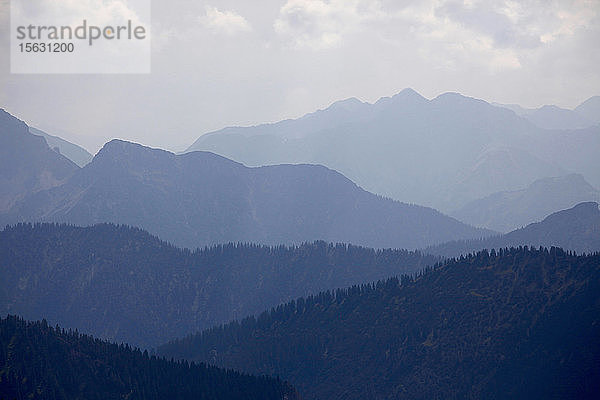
column 239, row 62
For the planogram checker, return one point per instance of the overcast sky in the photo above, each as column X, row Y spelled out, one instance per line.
column 240, row 62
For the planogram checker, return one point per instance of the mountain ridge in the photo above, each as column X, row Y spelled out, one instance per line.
column 513, row 323
column 575, row 229
column 506, row 211
column 27, row 164
column 425, row 149
column 73, row 152
column 200, row 198
column 123, row 284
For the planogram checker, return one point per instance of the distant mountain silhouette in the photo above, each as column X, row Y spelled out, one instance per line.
column 501, row 167
column 77, row 154
column 552, row 117
column 27, row 164
column 510, row 324
column 576, row 229
column 431, row 152
column 38, row 361
column 590, row 109
column 506, row 211
column 122, row 284
column 200, row 198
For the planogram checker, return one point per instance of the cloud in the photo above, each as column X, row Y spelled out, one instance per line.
column 70, row 12
column 491, row 21
column 491, row 35
column 526, row 25
column 321, row 24
column 226, row 22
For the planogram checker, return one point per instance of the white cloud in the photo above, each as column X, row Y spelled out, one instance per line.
column 227, row 22
column 321, row 24
column 69, row 12
column 492, row 35
column 511, row 24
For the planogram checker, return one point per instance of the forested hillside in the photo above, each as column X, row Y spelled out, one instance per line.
column 123, row 284
column 576, row 229
column 41, row 362
column 511, row 324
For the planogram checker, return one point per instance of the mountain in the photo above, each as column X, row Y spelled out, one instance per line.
column 506, row 211
column 576, row 229
column 430, row 152
column 518, row 109
column 122, row 284
column 41, row 362
column 552, row 117
column 199, row 198
column 501, row 167
column 27, row 164
column 512, row 324
column 77, row 154
column 349, row 110
column 590, row 109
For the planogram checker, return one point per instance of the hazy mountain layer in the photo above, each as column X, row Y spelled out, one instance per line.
column 513, row 324
column 506, row 211
column 576, row 229
column 41, row 362
column 590, row 109
column 77, row 154
column 122, row 284
column 553, row 117
column 200, row 199
column 27, row 164
column 442, row 153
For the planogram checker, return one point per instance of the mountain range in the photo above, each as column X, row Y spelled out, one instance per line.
column 442, row 153
column 199, row 198
column 173, row 246
column 122, row 284
column 513, row 324
column 576, row 229
column 104, row 279
column 553, row 117
column 506, row 211
column 27, row 164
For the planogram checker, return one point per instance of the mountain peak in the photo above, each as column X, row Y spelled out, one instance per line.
column 124, row 154
column 586, row 209
column 11, row 125
column 115, row 144
column 406, row 96
column 123, row 147
column 591, row 100
column 409, row 92
column 455, row 97
column 583, row 214
column 590, row 109
column 349, row 104
column 550, row 107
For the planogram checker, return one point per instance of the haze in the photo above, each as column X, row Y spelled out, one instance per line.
column 217, row 64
